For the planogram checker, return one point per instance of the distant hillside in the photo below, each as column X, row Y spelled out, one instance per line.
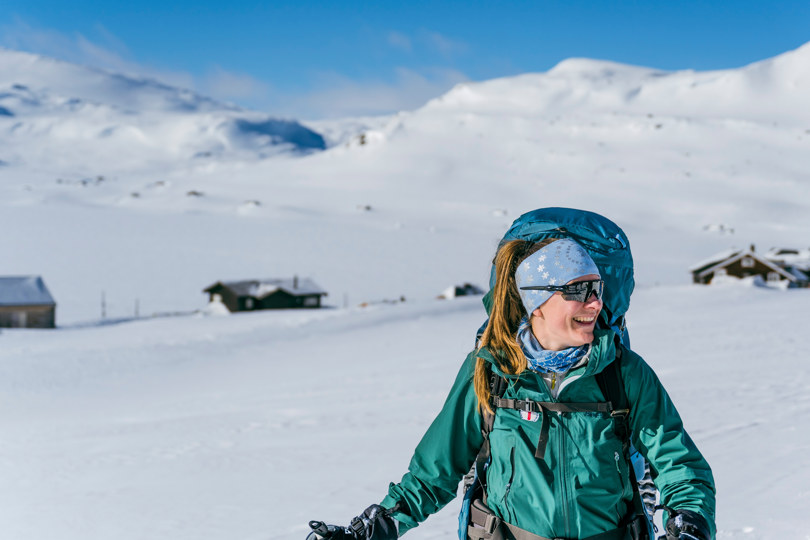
column 148, row 193
column 777, row 89
column 53, row 111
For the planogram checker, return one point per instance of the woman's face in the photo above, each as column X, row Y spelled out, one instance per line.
column 560, row 323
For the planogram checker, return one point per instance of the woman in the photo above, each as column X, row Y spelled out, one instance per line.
column 556, row 475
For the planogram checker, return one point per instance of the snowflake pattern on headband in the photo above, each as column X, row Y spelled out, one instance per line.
column 555, row 264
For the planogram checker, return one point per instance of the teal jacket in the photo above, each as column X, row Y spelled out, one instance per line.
column 581, row 487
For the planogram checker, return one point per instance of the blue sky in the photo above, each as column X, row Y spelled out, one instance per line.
column 313, row 59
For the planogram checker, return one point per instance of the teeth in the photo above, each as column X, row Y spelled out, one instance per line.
column 584, row 319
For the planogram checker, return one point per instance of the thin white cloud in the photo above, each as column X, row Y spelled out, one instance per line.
column 427, row 41
column 232, row 86
column 400, row 41
column 20, row 35
column 334, row 95
column 344, row 97
column 445, row 46
column 108, row 53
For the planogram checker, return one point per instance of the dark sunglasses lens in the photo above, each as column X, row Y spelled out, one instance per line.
column 581, row 291
column 599, row 289
column 576, row 292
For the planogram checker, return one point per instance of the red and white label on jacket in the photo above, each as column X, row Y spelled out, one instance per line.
column 531, row 416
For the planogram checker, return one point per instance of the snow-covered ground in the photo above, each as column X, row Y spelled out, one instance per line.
column 248, row 426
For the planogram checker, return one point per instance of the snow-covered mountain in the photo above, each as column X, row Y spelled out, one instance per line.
column 773, row 90
column 174, row 188
column 63, row 117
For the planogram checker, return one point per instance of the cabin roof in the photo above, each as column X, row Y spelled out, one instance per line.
column 24, row 291
column 708, row 269
column 714, row 259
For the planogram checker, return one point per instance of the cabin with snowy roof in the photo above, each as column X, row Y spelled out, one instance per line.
column 795, row 261
column 251, row 295
column 467, row 289
column 743, row 263
column 25, row 302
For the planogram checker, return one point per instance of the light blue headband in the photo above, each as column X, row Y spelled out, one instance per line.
column 555, row 264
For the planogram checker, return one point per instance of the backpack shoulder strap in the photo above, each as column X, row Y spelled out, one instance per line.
column 497, row 387
column 612, row 386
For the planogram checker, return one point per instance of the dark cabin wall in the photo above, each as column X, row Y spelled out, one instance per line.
column 230, row 300
column 277, row 300
column 283, row 300
column 738, row 269
column 28, row 317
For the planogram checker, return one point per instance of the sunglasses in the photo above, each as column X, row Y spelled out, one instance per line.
column 580, row 291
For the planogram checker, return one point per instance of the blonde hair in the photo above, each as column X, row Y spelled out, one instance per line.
column 500, row 335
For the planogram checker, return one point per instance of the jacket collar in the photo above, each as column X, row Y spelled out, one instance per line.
column 603, row 352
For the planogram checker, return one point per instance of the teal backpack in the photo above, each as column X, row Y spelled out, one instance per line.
column 609, row 247
column 605, row 242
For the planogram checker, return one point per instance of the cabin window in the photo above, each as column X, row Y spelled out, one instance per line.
column 248, row 303
column 747, row 262
column 311, row 301
column 720, row 272
column 773, row 276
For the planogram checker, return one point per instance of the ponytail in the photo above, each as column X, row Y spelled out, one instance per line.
column 500, row 335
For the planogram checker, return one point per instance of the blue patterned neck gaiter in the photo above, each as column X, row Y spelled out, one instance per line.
column 543, row 361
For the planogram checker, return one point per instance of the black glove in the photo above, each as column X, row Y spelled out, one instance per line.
column 686, row 525
column 375, row 523
column 322, row 531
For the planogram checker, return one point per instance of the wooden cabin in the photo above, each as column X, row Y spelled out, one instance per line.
column 25, row 302
column 743, row 263
column 467, row 289
column 251, row 295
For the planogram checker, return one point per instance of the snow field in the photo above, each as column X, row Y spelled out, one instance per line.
column 248, row 426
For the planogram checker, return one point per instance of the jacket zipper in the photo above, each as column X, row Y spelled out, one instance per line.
column 564, row 483
column 563, row 468
column 617, row 458
column 509, row 484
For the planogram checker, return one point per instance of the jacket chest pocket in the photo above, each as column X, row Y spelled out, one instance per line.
column 501, row 473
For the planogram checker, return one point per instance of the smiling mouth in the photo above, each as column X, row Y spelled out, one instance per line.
column 585, row 320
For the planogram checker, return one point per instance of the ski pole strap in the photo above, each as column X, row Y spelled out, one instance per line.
column 543, row 408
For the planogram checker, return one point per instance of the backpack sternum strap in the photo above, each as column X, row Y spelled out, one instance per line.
column 543, row 408
column 528, row 405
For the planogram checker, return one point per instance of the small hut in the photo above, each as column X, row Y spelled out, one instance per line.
column 467, row 289
column 251, row 295
column 743, row 263
column 25, row 302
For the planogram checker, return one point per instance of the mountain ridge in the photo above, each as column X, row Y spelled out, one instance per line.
column 445, row 179
column 52, row 110
column 575, row 85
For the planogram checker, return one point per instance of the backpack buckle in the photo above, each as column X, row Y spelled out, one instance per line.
column 525, row 406
column 619, row 412
column 484, row 518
